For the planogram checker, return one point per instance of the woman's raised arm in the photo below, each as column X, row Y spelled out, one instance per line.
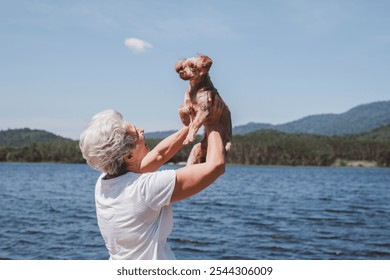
column 194, row 178
column 164, row 151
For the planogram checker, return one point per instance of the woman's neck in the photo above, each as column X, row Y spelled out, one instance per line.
column 120, row 172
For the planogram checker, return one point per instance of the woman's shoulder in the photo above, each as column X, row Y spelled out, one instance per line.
column 159, row 173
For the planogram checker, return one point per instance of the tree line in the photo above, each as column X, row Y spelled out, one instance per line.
column 277, row 148
column 266, row 147
column 52, row 151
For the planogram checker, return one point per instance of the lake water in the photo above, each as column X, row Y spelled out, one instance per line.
column 47, row 212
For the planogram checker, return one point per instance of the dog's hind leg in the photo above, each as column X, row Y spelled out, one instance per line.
column 195, row 154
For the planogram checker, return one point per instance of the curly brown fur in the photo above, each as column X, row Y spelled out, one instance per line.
column 199, row 97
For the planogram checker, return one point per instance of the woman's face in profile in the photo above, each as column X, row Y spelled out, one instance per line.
column 141, row 149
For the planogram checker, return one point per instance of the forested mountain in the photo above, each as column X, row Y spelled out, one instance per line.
column 31, row 145
column 363, row 118
column 378, row 134
column 159, row 134
column 26, row 136
column 361, row 134
column 271, row 147
column 264, row 147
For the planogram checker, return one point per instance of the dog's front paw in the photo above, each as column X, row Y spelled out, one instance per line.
column 189, row 139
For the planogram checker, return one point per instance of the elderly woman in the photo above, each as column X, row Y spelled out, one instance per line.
column 133, row 199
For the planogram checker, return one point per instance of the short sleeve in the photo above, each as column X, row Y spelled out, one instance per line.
column 157, row 188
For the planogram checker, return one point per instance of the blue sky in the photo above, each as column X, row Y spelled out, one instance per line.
column 275, row 61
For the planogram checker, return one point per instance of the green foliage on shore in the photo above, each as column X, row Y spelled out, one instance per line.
column 264, row 147
column 269, row 147
column 25, row 136
column 66, row 151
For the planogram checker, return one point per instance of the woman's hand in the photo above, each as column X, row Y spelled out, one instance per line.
column 215, row 111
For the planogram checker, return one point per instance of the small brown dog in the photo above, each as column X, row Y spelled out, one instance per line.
column 199, row 97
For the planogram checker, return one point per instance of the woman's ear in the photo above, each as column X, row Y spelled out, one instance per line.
column 128, row 159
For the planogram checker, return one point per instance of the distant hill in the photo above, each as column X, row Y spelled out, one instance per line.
column 27, row 136
column 363, row 119
column 262, row 147
column 379, row 134
column 360, row 119
column 159, row 134
column 250, row 127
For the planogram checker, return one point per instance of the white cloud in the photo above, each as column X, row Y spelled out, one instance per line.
column 137, row 45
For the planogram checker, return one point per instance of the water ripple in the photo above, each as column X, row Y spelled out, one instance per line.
column 47, row 211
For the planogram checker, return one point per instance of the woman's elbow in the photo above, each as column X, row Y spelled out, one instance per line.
column 220, row 168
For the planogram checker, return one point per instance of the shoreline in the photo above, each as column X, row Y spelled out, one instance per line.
column 355, row 163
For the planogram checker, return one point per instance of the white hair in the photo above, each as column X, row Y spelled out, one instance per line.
column 105, row 142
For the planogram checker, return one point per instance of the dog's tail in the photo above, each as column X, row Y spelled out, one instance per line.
column 229, row 135
column 228, row 146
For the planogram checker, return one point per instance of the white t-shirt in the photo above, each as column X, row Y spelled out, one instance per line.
column 134, row 214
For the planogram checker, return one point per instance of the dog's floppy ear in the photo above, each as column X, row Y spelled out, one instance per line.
column 205, row 63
